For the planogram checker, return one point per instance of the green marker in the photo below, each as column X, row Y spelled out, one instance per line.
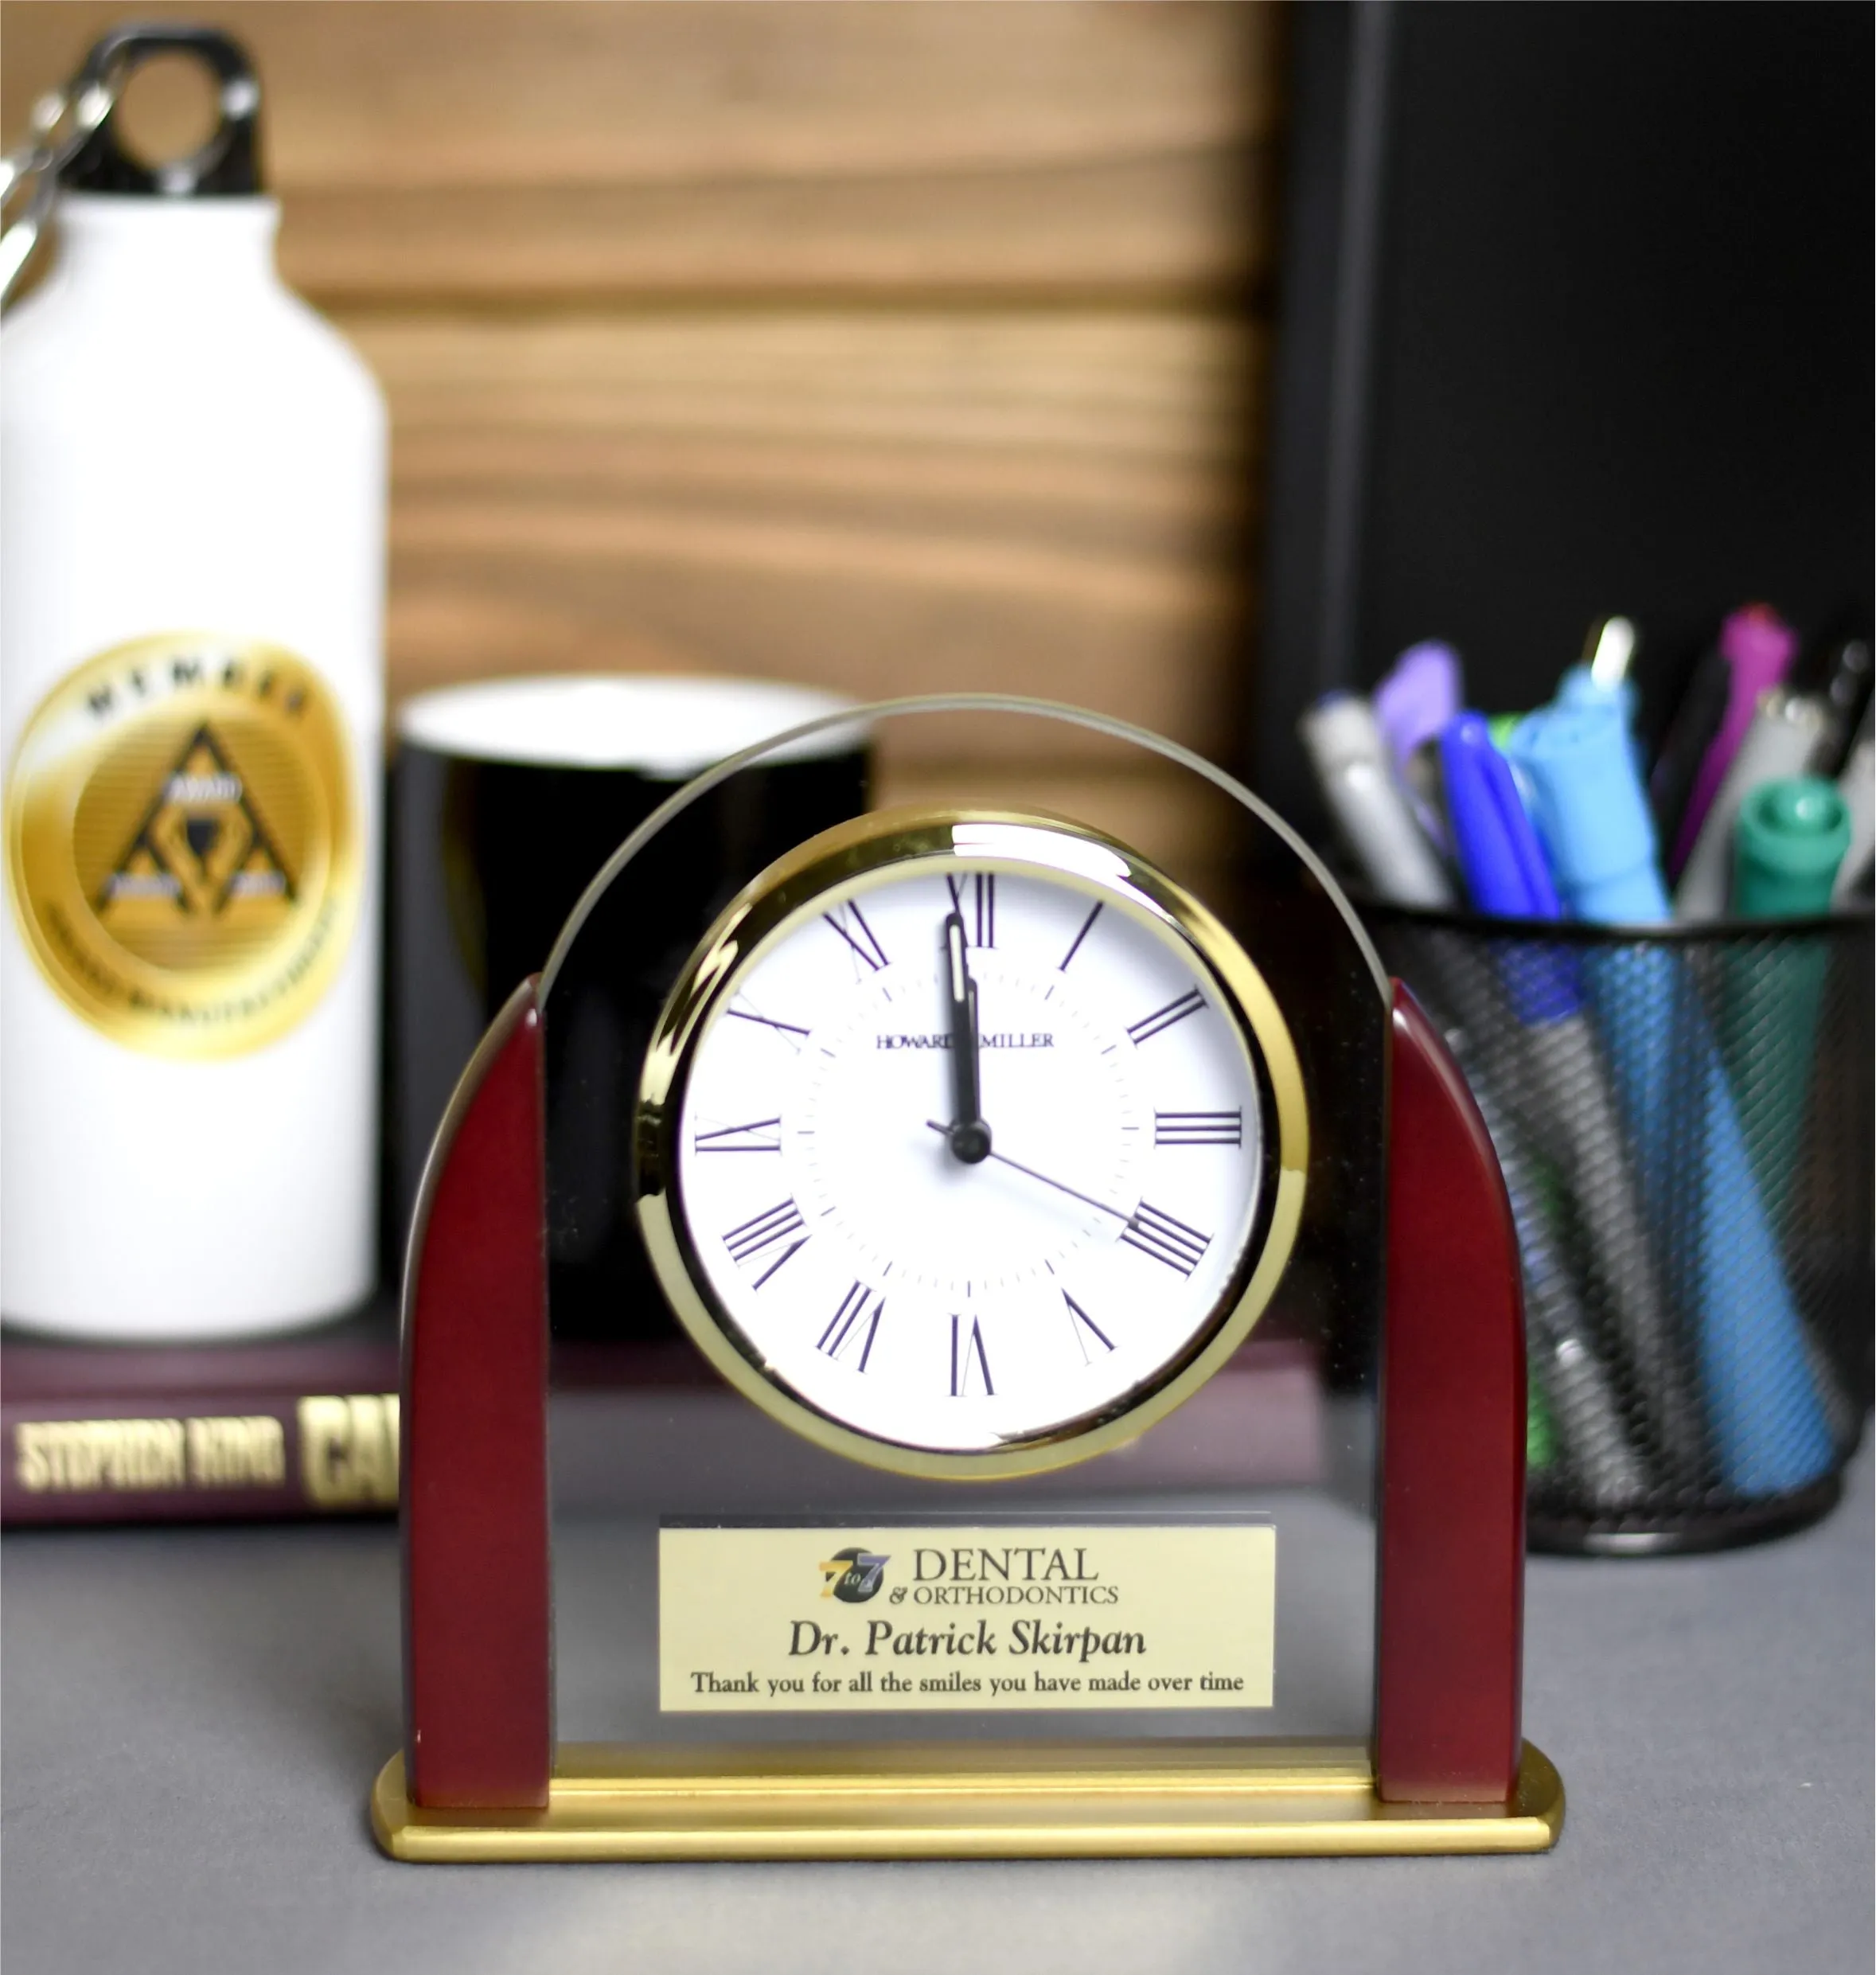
column 1790, row 839
column 1540, row 1437
column 1500, row 727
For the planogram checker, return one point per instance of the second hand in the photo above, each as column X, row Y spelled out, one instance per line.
column 1061, row 1186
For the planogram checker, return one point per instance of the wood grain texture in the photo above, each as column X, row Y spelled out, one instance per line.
column 892, row 348
column 1049, row 502
column 563, row 148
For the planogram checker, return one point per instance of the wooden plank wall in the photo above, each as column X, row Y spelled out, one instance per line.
column 893, row 347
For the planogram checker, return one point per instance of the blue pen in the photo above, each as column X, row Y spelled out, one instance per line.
column 1592, row 813
column 1769, row 1428
column 1507, row 874
column 1604, row 679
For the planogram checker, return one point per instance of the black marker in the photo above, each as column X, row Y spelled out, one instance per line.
column 1690, row 731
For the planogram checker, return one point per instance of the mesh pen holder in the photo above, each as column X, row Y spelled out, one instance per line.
column 1684, row 1120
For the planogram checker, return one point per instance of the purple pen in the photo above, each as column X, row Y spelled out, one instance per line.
column 1758, row 647
column 1418, row 696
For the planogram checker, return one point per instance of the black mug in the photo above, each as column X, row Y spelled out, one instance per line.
column 507, row 797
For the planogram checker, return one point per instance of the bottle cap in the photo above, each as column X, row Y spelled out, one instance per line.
column 226, row 166
column 1790, row 838
column 1591, row 812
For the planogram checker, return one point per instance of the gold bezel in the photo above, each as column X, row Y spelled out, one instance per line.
column 878, row 845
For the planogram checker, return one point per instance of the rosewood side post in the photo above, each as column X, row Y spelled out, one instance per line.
column 478, row 1652
column 1449, row 1649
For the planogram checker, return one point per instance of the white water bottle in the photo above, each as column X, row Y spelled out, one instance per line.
column 192, row 532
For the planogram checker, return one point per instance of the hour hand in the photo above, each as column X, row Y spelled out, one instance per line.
column 969, row 1136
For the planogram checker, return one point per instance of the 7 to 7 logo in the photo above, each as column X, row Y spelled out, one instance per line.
column 853, row 1575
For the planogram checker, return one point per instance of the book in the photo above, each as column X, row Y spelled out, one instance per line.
column 308, row 1426
column 304, row 1425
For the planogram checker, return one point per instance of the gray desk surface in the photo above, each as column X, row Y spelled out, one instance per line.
column 192, row 1719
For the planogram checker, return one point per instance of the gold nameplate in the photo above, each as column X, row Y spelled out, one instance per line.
column 998, row 1618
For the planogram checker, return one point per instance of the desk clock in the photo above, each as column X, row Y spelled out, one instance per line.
column 969, row 1144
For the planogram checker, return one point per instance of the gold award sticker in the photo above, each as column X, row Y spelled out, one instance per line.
column 182, row 845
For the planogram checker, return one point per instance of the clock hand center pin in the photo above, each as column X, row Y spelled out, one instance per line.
column 969, row 1135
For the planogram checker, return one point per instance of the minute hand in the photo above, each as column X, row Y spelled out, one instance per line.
column 1061, row 1186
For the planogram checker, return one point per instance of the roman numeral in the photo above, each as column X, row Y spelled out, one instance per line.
column 980, row 922
column 1162, row 1019
column 763, row 1134
column 1198, row 1128
column 1084, row 1327
column 965, row 1346
column 1165, row 1239
column 787, row 1030
column 846, row 1324
column 763, row 1231
column 1075, row 945
column 859, row 936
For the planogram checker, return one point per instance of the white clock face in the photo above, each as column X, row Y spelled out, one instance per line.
column 907, row 1278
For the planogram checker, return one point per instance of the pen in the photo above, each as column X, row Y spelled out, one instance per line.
column 1346, row 748
column 1421, row 692
column 1540, row 1437
column 1590, row 813
column 1793, row 836
column 1603, row 678
column 1418, row 697
column 1690, row 730
column 1788, row 730
column 1838, row 673
column 1790, row 841
column 1575, row 1392
column 1857, row 785
column 1587, row 1430
column 1420, row 773
column 1762, row 1401
column 1758, row 647
column 1609, row 652
column 1501, row 858
column 1506, row 873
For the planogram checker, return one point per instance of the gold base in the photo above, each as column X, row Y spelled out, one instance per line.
column 1035, row 1800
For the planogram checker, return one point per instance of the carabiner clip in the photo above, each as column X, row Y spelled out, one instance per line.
column 64, row 121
